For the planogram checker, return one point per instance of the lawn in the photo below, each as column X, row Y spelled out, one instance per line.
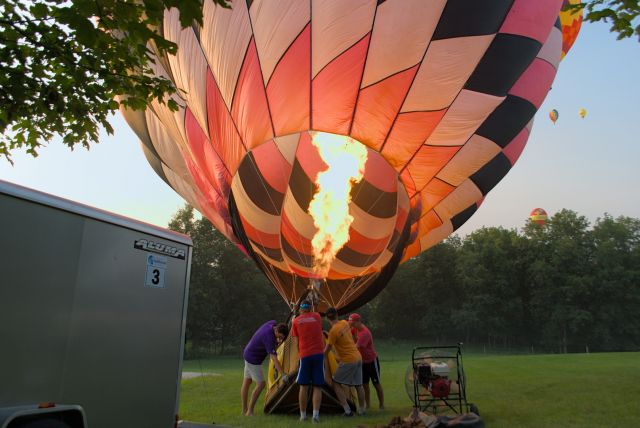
column 575, row 390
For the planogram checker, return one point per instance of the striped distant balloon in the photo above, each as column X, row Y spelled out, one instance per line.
column 538, row 216
column 441, row 93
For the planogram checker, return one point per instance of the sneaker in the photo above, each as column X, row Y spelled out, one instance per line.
column 316, row 419
column 348, row 415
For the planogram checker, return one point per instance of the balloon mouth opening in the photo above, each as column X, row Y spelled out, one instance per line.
column 320, row 206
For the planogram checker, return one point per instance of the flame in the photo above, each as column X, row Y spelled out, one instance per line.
column 329, row 207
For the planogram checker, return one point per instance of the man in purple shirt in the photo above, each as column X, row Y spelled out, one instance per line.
column 264, row 342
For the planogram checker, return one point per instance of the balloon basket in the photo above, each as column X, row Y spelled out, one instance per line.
column 282, row 397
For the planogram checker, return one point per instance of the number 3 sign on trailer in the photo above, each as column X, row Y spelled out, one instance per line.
column 156, row 268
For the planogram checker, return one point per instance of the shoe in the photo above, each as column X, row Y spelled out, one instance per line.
column 348, row 415
column 303, row 418
column 316, row 419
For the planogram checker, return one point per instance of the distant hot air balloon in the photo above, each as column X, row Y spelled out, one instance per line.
column 553, row 115
column 582, row 112
column 538, row 216
column 570, row 21
column 416, row 108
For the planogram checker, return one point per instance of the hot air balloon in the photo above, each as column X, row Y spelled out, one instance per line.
column 582, row 112
column 538, row 216
column 418, row 107
column 553, row 115
column 570, row 22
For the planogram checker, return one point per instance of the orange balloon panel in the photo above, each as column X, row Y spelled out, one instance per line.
column 571, row 21
column 441, row 93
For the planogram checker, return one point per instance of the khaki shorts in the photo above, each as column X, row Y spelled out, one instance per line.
column 253, row 371
column 349, row 373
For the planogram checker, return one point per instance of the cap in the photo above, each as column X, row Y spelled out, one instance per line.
column 354, row 317
column 305, row 304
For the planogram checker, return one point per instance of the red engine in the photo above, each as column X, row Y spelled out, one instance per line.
column 440, row 388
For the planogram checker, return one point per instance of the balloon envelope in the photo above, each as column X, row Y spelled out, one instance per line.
column 582, row 112
column 553, row 115
column 538, row 216
column 441, row 93
column 570, row 21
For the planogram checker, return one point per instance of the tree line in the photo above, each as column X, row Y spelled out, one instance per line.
column 567, row 286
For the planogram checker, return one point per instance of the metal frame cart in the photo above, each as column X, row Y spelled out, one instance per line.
column 439, row 382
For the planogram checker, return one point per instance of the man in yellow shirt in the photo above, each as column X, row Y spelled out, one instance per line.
column 349, row 371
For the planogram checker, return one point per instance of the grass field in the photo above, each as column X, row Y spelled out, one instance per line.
column 575, row 390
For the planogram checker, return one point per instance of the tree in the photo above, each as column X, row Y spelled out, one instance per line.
column 616, row 302
column 63, row 63
column 228, row 298
column 622, row 14
column 559, row 287
column 495, row 295
column 565, row 282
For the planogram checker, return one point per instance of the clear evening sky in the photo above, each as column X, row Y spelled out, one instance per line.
column 591, row 166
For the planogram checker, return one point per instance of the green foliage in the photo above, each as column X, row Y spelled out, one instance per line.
column 63, row 63
column 561, row 288
column 623, row 15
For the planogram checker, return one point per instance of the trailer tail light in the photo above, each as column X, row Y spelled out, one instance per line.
column 46, row 405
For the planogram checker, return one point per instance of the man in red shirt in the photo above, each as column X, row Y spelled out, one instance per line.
column 370, row 363
column 307, row 327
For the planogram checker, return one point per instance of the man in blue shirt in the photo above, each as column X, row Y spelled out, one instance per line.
column 264, row 342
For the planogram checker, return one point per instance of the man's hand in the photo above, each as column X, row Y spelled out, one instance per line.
column 285, row 378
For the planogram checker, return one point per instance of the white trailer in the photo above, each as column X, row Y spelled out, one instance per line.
column 92, row 315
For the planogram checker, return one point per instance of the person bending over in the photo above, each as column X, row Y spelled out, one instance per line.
column 263, row 342
column 349, row 371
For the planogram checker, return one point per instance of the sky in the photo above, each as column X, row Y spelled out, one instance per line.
column 588, row 165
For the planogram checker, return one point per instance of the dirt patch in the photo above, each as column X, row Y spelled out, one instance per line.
column 193, row 375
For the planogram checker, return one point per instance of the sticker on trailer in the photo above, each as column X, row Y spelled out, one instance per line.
column 156, row 270
column 160, row 248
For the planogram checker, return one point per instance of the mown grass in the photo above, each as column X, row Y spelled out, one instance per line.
column 575, row 390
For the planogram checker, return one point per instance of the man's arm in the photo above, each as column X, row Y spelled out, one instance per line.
column 327, row 348
column 276, row 364
column 363, row 340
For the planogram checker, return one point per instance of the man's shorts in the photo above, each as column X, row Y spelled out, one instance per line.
column 253, row 371
column 311, row 370
column 371, row 372
column 349, row 373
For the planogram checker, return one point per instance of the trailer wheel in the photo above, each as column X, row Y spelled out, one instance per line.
column 44, row 423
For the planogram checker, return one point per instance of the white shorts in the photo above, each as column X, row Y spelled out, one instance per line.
column 253, row 371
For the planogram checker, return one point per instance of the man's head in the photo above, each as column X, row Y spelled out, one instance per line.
column 356, row 321
column 332, row 315
column 305, row 306
column 281, row 331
